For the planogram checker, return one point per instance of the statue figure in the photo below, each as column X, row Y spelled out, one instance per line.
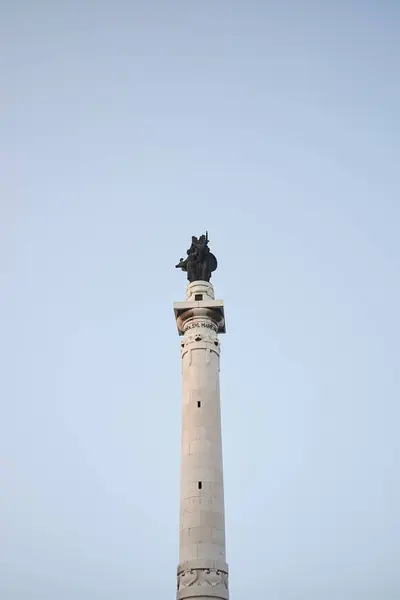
column 200, row 262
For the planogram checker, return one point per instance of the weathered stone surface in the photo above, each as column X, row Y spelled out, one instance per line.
column 202, row 571
column 202, row 582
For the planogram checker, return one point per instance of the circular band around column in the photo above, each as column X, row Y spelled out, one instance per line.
column 192, row 313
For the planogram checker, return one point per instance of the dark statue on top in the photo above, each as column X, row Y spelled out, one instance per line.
column 200, row 262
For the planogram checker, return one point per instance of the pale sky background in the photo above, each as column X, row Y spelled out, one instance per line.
column 127, row 127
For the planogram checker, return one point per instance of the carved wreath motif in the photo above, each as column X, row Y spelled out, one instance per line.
column 187, row 578
column 208, row 577
column 212, row 577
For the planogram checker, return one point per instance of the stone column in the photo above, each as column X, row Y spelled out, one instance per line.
column 202, row 571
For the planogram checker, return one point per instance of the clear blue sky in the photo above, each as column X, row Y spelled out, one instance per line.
column 127, row 127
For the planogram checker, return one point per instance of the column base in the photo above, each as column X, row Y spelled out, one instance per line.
column 202, row 580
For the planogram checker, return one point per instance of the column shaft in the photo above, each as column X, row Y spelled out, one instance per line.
column 202, row 571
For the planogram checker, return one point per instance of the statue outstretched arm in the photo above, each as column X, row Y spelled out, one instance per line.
column 182, row 264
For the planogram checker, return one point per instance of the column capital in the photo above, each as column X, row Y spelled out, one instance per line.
column 194, row 310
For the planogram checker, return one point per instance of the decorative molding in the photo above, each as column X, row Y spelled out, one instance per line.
column 203, row 578
column 187, row 578
column 213, row 577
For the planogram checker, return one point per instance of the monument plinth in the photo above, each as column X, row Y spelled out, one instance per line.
column 202, row 570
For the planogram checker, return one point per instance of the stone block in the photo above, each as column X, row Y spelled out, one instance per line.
column 207, row 550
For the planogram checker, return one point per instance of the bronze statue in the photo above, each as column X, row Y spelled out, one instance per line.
column 200, row 262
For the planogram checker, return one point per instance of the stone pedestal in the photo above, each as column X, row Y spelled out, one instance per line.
column 202, row 571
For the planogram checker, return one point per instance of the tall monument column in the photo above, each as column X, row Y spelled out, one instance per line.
column 202, row 570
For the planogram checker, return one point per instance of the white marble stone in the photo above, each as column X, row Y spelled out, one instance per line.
column 202, row 570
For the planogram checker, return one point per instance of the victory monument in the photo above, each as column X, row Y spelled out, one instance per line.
column 202, row 570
